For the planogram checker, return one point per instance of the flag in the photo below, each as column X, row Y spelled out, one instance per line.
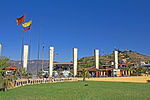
column 20, row 20
column 27, row 24
column 27, row 28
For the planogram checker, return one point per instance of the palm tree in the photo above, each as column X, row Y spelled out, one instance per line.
column 84, row 73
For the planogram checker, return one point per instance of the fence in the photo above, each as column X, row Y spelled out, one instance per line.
column 23, row 82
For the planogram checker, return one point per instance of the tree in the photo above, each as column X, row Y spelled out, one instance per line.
column 46, row 75
column 84, row 73
column 142, row 69
column 61, row 74
column 69, row 75
column 3, row 64
column 133, row 69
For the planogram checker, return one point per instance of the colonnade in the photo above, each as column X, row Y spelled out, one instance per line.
column 75, row 56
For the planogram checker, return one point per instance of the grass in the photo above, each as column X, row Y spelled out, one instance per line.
column 77, row 91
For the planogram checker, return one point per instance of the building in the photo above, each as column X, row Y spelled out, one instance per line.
column 11, row 69
column 109, row 70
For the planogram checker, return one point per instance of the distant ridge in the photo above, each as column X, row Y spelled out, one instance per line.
column 32, row 64
column 132, row 57
column 87, row 61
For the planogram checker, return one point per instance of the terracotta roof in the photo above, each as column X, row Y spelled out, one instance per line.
column 66, row 63
column 11, row 67
column 91, row 69
column 128, row 64
column 94, row 69
column 63, row 63
column 79, row 69
column 121, row 64
column 106, row 65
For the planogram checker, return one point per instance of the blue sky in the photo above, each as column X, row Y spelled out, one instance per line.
column 85, row 24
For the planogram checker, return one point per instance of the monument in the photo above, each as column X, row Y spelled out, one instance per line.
column 25, row 57
column 96, row 54
column 51, row 60
column 116, row 59
column 75, row 50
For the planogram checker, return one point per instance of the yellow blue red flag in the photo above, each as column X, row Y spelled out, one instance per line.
column 27, row 28
column 27, row 24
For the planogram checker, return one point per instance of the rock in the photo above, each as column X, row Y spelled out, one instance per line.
column 86, row 85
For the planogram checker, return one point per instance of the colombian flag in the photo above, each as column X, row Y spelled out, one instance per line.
column 27, row 25
column 27, row 28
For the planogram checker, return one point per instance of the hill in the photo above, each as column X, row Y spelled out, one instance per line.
column 126, row 56
column 33, row 65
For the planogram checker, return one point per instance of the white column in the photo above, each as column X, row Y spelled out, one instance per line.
column 25, row 57
column 96, row 54
column 51, row 60
column 116, row 59
column 0, row 48
column 75, row 50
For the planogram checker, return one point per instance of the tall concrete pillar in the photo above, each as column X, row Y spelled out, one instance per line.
column 75, row 51
column 0, row 48
column 51, row 61
column 25, row 57
column 116, row 59
column 96, row 54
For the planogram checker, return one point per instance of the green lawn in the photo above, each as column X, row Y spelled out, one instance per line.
column 77, row 91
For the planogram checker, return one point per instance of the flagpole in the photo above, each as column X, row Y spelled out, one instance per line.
column 38, row 48
column 39, row 44
column 42, row 59
column 30, row 45
column 29, row 49
column 22, row 51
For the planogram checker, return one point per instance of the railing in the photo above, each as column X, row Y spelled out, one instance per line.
column 22, row 82
column 61, row 79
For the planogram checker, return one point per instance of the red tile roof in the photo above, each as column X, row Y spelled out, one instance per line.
column 91, row 69
column 63, row 63
column 94, row 69
column 11, row 67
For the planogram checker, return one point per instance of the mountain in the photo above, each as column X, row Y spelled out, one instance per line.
column 127, row 56
column 33, row 65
